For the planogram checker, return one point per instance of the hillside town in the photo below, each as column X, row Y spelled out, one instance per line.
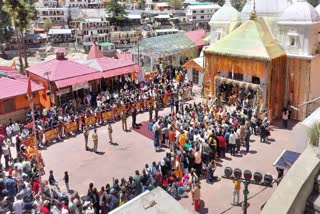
column 148, row 106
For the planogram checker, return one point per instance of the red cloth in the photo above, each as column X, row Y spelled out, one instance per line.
column 44, row 210
column 222, row 142
column 196, row 204
column 35, row 186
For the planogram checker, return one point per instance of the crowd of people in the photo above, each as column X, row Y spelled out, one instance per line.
column 196, row 135
column 20, row 186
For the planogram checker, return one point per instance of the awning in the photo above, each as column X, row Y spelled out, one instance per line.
column 120, row 71
column 76, row 80
column 105, row 44
column 33, row 36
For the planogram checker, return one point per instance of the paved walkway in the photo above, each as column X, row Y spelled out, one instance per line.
column 134, row 151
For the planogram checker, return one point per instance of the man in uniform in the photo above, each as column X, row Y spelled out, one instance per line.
column 86, row 136
column 110, row 133
column 95, row 140
column 134, row 116
column 124, row 120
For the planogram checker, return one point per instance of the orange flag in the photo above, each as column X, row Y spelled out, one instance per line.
column 29, row 90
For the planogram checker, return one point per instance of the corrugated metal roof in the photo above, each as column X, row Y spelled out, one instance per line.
column 197, row 36
column 59, row 31
column 60, row 69
column 14, row 87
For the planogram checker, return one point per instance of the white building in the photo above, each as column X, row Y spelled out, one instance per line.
column 93, row 29
column 296, row 27
column 58, row 15
column 201, row 14
column 84, row 4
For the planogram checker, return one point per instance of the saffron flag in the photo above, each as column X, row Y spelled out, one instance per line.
column 29, row 90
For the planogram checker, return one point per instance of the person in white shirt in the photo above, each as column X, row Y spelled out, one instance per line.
column 9, row 132
column 18, row 206
column 15, row 128
column 232, row 143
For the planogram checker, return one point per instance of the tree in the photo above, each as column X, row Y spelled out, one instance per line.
column 47, row 24
column 176, row 4
column 20, row 14
column 6, row 31
column 117, row 12
column 314, row 3
column 239, row 5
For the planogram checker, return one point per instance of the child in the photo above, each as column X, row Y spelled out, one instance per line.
column 66, row 180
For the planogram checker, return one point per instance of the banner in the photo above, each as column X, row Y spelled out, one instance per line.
column 90, row 120
column 107, row 115
column 150, row 102
column 71, row 127
column 51, row 134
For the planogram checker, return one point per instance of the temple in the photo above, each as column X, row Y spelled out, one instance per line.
column 269, row 56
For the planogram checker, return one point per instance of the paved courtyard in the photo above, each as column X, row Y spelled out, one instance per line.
column 135, row 150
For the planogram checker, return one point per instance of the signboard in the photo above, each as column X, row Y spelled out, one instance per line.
column 62, row 91
column 78, row 86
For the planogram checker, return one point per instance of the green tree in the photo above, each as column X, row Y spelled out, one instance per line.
column 20, row 13
column 177, row 4
column 6, row 31
column 117, row 12
column 47, row 24
column 313, row 2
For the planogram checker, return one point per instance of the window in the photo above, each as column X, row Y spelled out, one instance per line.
column 293, row 39
column 194, row 17
column 194, row 11
column 201, row 11
column 218, row 36
column 195, row 76
column 8, row 106
column 202, row 17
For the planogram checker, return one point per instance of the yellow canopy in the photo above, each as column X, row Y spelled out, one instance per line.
column 252, row 40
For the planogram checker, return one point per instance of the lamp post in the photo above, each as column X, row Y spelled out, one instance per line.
column 236, row 174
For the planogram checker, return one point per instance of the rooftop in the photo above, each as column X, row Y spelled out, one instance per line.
column 142, row 204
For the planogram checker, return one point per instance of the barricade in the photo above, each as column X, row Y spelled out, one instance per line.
column 71, row 127
column 90, row 120
column 106, row 115
column 51, row 134
column 62, row 128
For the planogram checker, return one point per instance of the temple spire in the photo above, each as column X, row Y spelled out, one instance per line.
column 253, row 15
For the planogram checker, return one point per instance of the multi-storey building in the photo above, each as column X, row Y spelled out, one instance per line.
column 58, row 15
column 93, row 29
column 201, row 14
column 84, row 4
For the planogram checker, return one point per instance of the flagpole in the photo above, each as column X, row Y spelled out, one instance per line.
column 30, row 97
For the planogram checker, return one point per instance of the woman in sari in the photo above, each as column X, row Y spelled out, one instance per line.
column 178, row 168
